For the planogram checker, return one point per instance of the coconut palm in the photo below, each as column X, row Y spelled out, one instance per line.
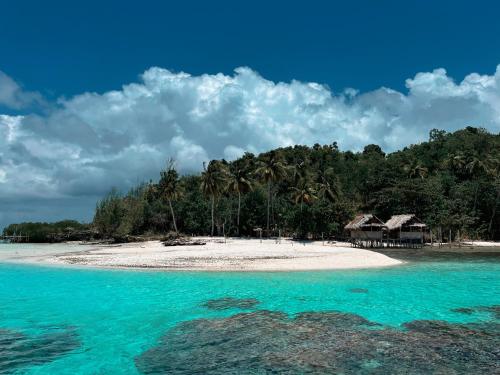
column 271, row 170
column 239, row 182
column 493, row 170
column 419, row 171
column 303, row 193
column 299, row 171
column 475, row 167
column 168, row 188
column 457, row 161
column 213, row 182
column 327, row 186
column 151, row 191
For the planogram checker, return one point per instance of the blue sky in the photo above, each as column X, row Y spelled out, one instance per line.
column 64, row 48
column 100, row 94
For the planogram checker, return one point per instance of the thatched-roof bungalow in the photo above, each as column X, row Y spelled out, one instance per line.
column 406, row 228
column 366, row 229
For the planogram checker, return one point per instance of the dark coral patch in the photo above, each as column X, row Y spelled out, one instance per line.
column 18, row 350
column 464, row 310
column 317, row 343
column 230, row 303
column 358, row 290
column 494, row 310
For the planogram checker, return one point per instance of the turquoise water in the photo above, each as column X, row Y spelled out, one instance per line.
column 118, row 315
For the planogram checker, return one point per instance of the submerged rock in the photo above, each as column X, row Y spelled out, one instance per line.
column 464, row 310
column 18, row 350
column 358, row 290
column 316, row 343
column 230, row 303
column 494, row 310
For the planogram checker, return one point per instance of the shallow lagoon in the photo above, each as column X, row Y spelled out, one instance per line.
column 116, row 316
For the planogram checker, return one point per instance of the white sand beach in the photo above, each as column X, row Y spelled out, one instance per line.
column 216, row 255
column 492, row 244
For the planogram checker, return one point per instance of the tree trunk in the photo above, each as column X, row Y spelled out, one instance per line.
column 239, row 209
column 173, row 216
column 493, row 213
column 268, row 204
column 213, row 218
column 301, row 226
column 475, row 199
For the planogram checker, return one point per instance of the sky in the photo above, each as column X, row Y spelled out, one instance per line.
column 100, row 94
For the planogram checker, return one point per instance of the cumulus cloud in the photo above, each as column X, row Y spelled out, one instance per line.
column 13, row 96
column 88, row 143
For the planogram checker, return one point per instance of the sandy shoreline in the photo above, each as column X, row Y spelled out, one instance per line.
column 233, row 255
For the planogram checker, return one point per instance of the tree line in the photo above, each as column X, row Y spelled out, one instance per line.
column 451, row 181
column 65, row 230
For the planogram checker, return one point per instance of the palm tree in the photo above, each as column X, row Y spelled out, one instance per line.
column 151, row 191
column 239, row 182
column 270, row 170
column 457, row 161
column 169, row 188
column 299, row 171
column 213, row 182
column 419, row 171
column 327, row 185
column 475, row 167
column 303, row 193
column 493, row 170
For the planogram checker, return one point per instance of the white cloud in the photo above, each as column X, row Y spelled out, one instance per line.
column 90, row 142
column 232, row 152
column 13, row 96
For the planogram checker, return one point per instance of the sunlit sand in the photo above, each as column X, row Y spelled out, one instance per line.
column 216, row 255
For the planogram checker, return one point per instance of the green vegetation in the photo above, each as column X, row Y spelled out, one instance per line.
column 169, row 189
column 452, row 181
column 66, row 230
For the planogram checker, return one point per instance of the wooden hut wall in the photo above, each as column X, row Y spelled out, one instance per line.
column 366, row 235
column 411, row 235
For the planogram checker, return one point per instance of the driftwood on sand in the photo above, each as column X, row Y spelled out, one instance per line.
column 182, row 241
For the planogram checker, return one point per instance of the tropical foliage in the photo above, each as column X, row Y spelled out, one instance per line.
column 66, row 230
column 452, row 181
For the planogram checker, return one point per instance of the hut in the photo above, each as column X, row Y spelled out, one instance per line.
column 405, row 230
column 366, row 230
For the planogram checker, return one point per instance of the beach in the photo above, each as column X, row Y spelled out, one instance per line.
column 217, row 254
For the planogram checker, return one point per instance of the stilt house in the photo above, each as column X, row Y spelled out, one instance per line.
column 366, row 228
column 406, row 228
